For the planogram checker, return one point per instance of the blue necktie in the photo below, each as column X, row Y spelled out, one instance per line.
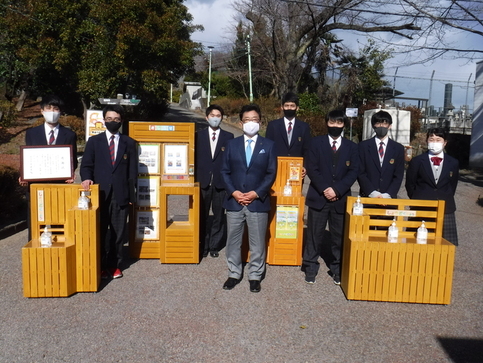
column 248, row 152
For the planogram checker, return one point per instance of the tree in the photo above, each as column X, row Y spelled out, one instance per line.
column 96, row 48
column 292, row 38
column 361, row 75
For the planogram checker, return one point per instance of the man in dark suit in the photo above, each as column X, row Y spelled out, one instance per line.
column 111, row 160
column 210, row 144
column 248, row 172
column 291, row 135
column 50, row 133
column 332, row 166
column 382, row 161
column 434, row 175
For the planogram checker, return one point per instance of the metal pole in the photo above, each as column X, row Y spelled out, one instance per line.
column 249, row 68
column 209, row 77
column 466, row 104
column 394, row 89
column 429, row 98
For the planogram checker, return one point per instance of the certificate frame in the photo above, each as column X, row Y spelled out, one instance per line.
column 175, row 161
column 149, row 158
column 147, row 225
column 148, row 191
column 42, row 163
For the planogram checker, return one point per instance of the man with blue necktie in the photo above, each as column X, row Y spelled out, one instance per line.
column 248, row 172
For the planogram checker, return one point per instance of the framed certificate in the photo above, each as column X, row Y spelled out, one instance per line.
column 46, row 162
column 148, row 191
column 147, row 225
column 175, row 161
column 149, row 159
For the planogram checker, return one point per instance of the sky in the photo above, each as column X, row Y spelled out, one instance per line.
column 217, row 17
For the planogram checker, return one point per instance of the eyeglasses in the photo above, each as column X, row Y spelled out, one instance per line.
column 115, row 119
column 245, row 120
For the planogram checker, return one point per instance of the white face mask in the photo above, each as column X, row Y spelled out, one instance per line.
column 214, row 121
column 51, row 117
column 251, row 128
column 435, row 148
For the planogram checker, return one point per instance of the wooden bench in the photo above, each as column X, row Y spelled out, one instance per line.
column 376, row 270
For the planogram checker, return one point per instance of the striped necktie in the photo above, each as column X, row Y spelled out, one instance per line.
column 52, row 138
column 334, row 146
column 112, row 150
column 381, row 150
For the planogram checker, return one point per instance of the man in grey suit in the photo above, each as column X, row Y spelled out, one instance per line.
column 248, row 172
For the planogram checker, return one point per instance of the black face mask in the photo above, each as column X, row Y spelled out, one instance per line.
column 380, row 131
column 334, row 131
column 290, row 114
column 113, row 126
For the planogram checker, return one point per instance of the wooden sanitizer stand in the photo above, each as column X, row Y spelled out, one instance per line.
column 166, row 167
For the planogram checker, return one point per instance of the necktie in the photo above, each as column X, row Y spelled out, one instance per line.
column 381, row 150
column 112, row 150
column 334, row 147
column 436, row 160
column 289, row 132
column 52, row 138
column 214, row 136
column 248, row 152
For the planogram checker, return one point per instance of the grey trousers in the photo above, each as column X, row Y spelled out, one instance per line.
column 257, row 228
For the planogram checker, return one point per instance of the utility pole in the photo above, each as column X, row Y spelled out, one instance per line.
column 250, row 69
column 429, row 99
column 209, row 77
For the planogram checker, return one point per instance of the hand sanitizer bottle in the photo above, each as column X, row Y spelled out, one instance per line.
column 358, row 207
column 46, row 238
column 393, row 232
column 83, row 202
column 287, row 189
column 422, row 235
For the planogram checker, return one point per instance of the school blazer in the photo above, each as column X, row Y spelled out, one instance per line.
column 207, row 167
column 323, row 173
column 36, row 136
column 121, row 177
column 299, row 143
column 386, row 178
column 420, row 182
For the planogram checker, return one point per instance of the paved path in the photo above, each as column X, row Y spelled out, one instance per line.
column 180, row 313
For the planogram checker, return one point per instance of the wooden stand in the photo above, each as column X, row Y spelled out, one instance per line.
column 169, row 146
column 285, row 240
column 72, row 264
column 375, row 270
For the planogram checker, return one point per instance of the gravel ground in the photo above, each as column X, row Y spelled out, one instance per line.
column 180, row 313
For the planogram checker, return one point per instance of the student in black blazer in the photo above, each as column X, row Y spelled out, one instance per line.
column 434, row 175
column 51, row 132
column 210, row 144
column 332, row 166
column 382, row 161
column 111, row 160
column 291, row 135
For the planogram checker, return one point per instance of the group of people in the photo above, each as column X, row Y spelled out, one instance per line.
column 236, row 175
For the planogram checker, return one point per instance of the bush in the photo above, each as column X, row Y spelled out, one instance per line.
column 9, row 114
column 12, row 195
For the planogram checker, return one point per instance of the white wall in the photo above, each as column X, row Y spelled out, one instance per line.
column 401, row 124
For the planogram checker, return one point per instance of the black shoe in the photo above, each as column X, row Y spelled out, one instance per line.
column 230, row 283
column 255, row 286
column 205, row 254
column 214, row 254
column 336, row 279
column 310, row 280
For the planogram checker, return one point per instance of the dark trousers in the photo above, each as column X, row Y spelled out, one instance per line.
column 113, row 228
column 450, row 231
column 316, row 223
column 211, row 234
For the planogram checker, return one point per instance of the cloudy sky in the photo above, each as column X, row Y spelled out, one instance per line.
column 217, row 17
